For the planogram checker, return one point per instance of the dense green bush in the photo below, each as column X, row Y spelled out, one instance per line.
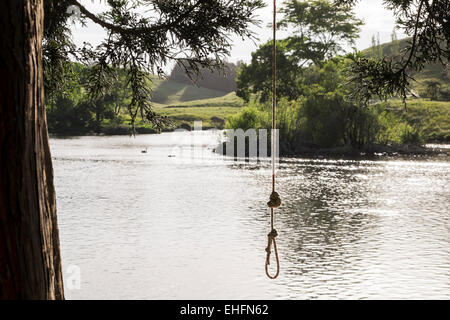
column 325, row 115
column 66, row 117
column 252, row 116
column 321, row 117
column 393, row 129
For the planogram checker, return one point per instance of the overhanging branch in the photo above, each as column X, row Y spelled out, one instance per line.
column 133, row 31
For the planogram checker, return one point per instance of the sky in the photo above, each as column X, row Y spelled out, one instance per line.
column 377, row 19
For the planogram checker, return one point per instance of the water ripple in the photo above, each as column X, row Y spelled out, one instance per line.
column 147, row 226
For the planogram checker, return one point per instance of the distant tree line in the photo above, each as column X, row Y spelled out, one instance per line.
column 224, row 80
column 73, row 111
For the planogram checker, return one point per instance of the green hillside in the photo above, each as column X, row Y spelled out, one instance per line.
column 431, row 118
column 171, row 92
column 432, row 73
column 184, row 103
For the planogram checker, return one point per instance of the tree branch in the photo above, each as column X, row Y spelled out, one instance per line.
column 413, row 44
column 132, row 31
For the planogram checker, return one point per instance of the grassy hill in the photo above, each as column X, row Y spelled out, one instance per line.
column 185, row 104
column 171, row 92
column 431, row 118
column 431, row 73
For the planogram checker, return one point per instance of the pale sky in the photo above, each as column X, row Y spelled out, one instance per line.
column 377, row 20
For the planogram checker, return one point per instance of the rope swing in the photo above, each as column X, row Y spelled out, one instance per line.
column 275, row 200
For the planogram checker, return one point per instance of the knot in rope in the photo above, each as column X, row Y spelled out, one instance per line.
column 273, row 234
column 275, row 200
column 271, row 241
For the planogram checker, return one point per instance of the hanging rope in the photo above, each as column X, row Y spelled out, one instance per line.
column 275, row 200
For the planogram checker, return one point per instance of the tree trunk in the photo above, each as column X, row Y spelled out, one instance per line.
column 30, row 262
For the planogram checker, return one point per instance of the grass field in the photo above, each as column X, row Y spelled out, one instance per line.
column 184, row 104
column 432, row 118
column 170, row 92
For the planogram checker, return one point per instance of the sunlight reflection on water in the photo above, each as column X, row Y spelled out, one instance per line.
column 150, row 226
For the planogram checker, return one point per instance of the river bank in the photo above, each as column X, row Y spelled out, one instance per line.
column 373, row 151
column 123, row 130
column 370, row 151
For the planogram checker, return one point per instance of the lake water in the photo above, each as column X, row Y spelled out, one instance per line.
column 180, row 222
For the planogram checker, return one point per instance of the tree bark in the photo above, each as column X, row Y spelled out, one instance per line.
column 30, row 262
